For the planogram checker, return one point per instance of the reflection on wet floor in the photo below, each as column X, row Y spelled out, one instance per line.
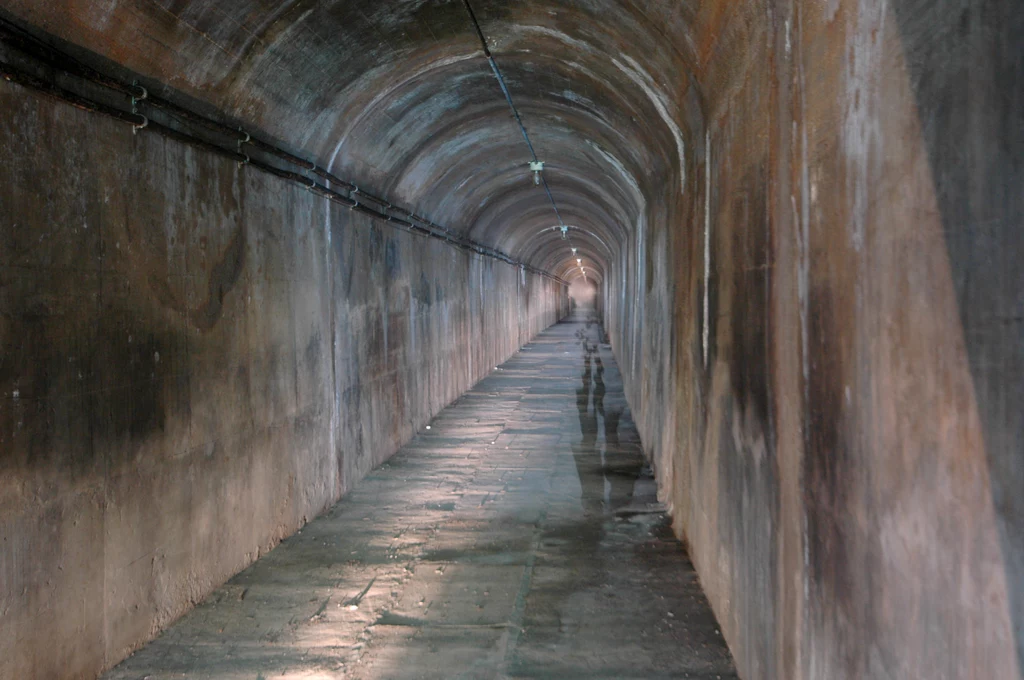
column 519, row 537
column 606, row 470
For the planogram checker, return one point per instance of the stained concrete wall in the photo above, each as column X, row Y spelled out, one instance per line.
column 195, row 359
column 839, row 435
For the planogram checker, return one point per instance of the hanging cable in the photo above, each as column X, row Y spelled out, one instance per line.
column 535, row 165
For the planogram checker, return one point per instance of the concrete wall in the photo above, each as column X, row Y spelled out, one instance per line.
column 196, row 359
column 843, row 452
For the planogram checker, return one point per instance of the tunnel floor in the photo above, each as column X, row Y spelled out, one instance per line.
column 519, row 537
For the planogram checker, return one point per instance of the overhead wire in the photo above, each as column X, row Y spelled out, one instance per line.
column 519, row 121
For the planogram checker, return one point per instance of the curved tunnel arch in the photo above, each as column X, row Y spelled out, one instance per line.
column 466, row 165
column 398, row 98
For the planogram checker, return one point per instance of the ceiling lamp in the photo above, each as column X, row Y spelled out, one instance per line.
column 536, row 167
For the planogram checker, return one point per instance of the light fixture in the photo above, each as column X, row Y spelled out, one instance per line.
column 579, row 261
column 565, row 231
column 536, row 167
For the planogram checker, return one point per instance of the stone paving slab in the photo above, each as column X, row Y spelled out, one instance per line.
column 518, row 537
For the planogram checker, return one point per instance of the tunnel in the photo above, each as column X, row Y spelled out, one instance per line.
column 512, row 338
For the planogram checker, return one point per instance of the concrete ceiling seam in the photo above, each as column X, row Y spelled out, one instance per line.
column 31, row 63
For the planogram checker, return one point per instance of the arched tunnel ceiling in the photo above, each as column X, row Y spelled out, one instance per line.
column 397, row 96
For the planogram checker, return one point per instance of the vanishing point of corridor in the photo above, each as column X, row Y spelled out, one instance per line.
column 518, row 537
